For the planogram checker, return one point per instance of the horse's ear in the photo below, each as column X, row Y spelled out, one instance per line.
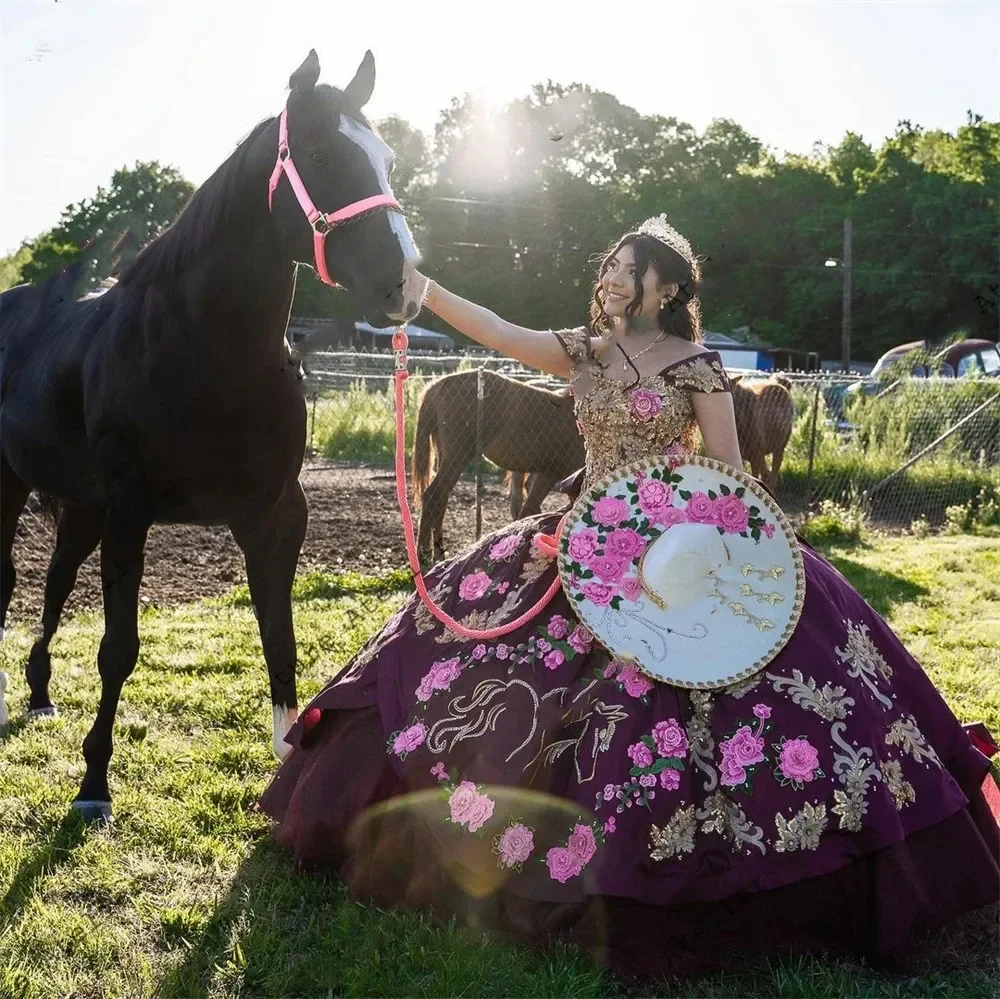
column 359, row 90
column 735, row 379
column 304, row 78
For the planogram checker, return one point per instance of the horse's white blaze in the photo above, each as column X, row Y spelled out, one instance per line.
column 284, row 719
column 380, row 157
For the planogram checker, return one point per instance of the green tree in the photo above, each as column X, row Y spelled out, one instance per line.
column 141, row 201
column 12, row 267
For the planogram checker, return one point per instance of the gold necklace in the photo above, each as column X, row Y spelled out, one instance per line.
column 633, row 358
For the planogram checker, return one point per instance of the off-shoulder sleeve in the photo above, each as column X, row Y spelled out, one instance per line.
column 702, row 373
column 576, row 343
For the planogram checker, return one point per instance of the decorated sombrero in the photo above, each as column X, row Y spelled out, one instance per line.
column 685, row 567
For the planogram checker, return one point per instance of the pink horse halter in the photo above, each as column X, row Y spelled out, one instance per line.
column 321, row 224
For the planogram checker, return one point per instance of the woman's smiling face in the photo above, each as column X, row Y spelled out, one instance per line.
column 620, row 286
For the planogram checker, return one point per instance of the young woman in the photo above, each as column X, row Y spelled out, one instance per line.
column 861, row 821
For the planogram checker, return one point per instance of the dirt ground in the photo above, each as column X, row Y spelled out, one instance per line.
column 354, row 524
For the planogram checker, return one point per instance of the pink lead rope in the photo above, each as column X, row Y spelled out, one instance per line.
column 546, row 544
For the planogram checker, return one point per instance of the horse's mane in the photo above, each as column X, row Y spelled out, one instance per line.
column 210, row 206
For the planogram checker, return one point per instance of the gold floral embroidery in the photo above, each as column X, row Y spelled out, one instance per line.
column 675, row 838
column 535, row 567
column 865, row 660
column 702, row 374
column 854, row 768
column 701, row 744
column 828, row 702
column 740, row 690
column 904, row 733
column 901, row 790
column 802, row 832
column 423, row 620
column 723, row 816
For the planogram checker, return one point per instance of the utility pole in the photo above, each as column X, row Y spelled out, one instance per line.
column 845, row 330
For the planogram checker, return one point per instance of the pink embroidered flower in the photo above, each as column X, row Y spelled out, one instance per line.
column 799, row 760
column 768, row 530
column 670, row 779
column 505, row 547
column 644, row 404
column 611, row 669
column 647, row 780
column 474, row 586
column 502, row 651
column 503, row 587
column 609, row 826
column 409, row 739
column 655, row 498
column 600, row 594
column 468, row 805
column 554, row 659
column 610, row 511
column 439, row 677
column 580, row 639
column 742, row 750
column 582, row 844
column 558, row 626
column 608, row 568
column 625, row 543
column 438, row 771
column 670, row 738
column 630, row 587
column 636, row 684
column 732, row 514
column 478, row 652
column 700, row 509
column 676, row 455
column 762, row 711
column 671, row 516
column 583, row 544
column 515, row 844
column 543, row 646
column 562, row 864
column 640, row 754
column 609, row 791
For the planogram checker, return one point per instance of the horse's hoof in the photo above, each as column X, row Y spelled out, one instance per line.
column 94, row 811
column 50, row 712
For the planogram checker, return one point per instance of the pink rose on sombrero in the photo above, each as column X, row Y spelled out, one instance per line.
column 608, row 568
column 732, row 514
column 600, row 594
column 630, row 588
column 583, row 545
column 625, row 543
column 700, row 509
column 610, row 511
column 655, row 499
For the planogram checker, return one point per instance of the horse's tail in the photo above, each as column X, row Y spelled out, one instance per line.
column 423, row 446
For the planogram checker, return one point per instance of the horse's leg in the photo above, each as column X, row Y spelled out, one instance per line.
column 14, row 496
column 271, row 548
column 516, row 493
column 777, row 457
column 79, row 534
column 539, row 486
column 123, row 540
column 436, row 502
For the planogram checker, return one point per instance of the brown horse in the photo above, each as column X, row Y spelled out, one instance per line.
column 764, row 418
column 524, row 429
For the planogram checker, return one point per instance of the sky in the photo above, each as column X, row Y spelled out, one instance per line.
column 88, row 86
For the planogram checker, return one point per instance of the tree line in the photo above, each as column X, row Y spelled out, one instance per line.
column 510, row 207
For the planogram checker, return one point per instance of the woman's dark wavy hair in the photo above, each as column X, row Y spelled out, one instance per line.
column 681, row 316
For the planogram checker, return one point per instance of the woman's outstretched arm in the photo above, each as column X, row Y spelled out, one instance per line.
column 534, row 348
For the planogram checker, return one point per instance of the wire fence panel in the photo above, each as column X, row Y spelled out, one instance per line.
column 492, row 439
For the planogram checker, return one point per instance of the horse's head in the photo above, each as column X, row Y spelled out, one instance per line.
column 343, row 164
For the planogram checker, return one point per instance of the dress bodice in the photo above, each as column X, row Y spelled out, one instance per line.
column 623, row 422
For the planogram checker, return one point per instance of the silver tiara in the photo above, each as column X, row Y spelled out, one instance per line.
column 659, row 228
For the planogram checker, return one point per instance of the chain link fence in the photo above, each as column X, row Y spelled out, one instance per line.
column 901, row 452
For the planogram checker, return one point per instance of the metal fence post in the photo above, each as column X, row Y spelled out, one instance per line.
column 812, row 445
column 479, row 452
column 312, row 426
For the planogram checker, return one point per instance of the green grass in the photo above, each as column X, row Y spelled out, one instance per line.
column 185, row 895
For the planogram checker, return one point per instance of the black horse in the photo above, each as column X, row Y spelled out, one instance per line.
column 172, row 397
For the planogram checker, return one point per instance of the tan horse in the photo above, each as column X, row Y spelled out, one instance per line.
column 524, row 429
column 764, row 418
